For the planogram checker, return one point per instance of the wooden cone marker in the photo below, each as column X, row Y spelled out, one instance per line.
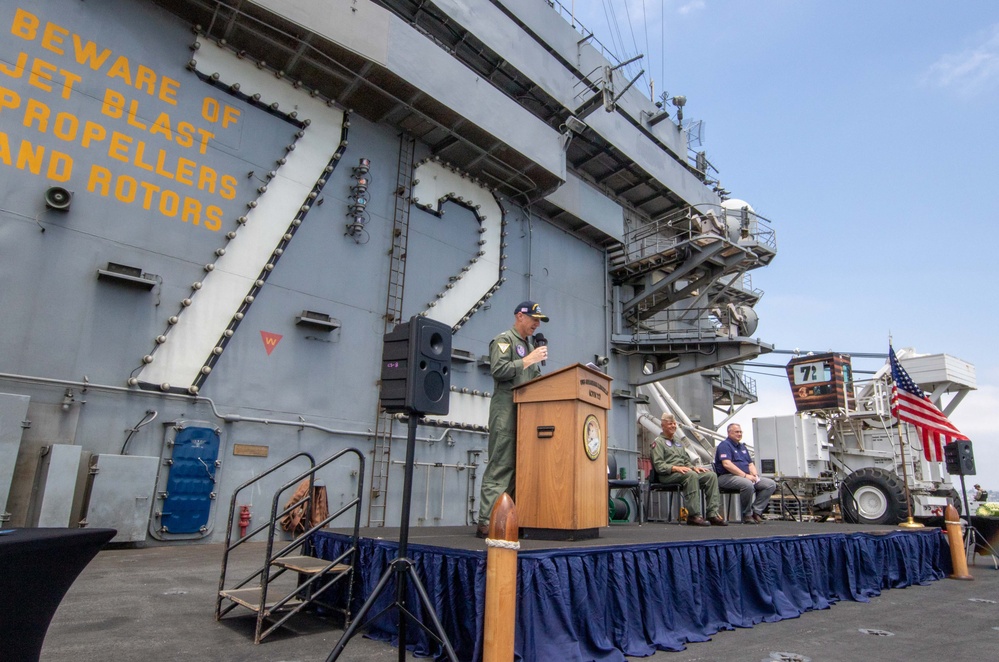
column 501, row 582
column 957, row 552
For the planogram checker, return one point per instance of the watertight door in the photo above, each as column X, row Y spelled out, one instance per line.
column 187, row 485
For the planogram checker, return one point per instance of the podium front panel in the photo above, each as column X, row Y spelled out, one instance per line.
column 591, row 474
column 559, row 486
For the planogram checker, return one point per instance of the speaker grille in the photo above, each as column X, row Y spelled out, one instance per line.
column 433, row 386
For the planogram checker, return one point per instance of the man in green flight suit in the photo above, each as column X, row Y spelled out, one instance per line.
column 513, row 360
column 673, row 466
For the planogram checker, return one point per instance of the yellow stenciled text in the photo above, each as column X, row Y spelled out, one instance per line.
column 139, row 166
column 167, row 202
column 52, row 37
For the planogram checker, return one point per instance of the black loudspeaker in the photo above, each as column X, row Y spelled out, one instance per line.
column 960, row 458
column 416, row 367
column 58, row 198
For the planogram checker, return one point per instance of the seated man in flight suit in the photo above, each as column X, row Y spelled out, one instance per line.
column 673, row 466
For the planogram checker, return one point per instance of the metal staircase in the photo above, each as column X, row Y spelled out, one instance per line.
column 275, row 599
column 682, row 295
column 731, row 390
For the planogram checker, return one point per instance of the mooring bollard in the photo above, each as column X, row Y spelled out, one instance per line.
column 501, row 582
column 958, row 555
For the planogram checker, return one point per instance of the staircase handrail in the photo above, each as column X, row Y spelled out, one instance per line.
column 229, row 545
column 304, row 538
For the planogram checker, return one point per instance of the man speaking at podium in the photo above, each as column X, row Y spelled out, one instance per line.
column 513, row 360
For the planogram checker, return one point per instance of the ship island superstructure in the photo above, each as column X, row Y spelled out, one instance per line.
column 212, row 211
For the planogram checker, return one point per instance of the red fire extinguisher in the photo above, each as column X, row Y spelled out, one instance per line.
column 244, row 520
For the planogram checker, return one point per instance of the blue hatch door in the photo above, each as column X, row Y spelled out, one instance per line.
column 190, row 487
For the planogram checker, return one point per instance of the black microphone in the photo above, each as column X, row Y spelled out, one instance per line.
column 540, row 341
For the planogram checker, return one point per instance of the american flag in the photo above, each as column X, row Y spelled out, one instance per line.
column 910, row 404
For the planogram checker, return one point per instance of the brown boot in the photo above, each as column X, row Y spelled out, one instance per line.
column 696, row 520
column 482, row 531
column 717, row 520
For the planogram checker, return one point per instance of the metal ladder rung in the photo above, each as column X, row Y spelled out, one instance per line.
column 393, row 313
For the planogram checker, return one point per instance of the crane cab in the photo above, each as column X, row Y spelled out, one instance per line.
column 821, row 381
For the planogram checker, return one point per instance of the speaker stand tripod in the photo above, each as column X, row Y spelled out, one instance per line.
column 402, row 569
column 972, row 537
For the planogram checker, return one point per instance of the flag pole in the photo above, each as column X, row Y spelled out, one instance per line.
column 908, row 523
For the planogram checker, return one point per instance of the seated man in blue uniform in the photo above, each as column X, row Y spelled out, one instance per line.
column 674, row 467
column 736, row 471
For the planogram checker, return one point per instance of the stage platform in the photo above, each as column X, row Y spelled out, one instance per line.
column 641, row 588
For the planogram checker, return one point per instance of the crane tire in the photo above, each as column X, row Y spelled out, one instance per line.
column 873, row 496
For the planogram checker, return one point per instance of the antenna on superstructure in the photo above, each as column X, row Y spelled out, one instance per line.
column 679, row 101
column 661, row 113
column 610, row 98
column 695, row 132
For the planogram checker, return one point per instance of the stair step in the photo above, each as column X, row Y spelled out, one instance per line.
column 250, row 598
column 308, row 564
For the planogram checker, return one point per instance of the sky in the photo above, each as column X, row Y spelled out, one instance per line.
column 868, row 134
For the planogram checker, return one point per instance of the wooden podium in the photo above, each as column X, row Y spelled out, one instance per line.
column 562, row 454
